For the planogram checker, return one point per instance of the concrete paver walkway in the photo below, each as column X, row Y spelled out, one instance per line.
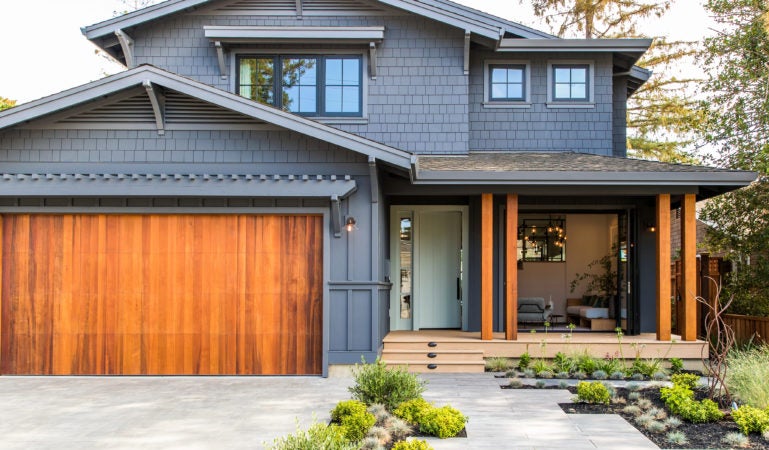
column 244, row 412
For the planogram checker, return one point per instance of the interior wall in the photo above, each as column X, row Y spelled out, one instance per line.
column 589, row 238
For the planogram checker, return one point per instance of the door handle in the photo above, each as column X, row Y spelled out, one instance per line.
column 459, row 288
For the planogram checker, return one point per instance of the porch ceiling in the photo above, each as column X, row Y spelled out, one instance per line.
column 571, row 169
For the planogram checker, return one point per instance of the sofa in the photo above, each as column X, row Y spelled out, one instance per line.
column 533, row 309
column 593, row 312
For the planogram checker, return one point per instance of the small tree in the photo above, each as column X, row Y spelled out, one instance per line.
column 6, row 103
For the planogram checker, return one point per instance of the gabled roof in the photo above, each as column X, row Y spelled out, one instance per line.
column 445, row 11
column 149, row 75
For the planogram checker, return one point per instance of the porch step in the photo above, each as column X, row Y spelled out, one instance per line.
column 432, row 358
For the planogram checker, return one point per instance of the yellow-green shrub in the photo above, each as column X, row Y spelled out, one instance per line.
column 412, row 445
column 444, row 422
column 353, row 419
column 411, row 411
column 595, row 392
column 750, row 419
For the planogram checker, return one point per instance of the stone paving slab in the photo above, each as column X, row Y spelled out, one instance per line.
column 243, row 412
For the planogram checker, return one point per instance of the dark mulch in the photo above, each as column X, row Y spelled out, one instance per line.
column 699, row 435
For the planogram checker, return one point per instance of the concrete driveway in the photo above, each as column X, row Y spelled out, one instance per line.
column 244, row 412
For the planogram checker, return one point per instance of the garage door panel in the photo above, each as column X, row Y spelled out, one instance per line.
column 123, row 294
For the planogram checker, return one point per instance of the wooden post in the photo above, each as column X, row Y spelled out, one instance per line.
column 511, row 269
column 663, row 267
column 487, row 266
column 688, row 268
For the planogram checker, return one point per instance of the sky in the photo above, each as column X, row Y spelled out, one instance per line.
column 42, row 50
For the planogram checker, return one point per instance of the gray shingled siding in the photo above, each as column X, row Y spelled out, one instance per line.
column 538, row 127
column 176, row 147
column 417, row 103
column 619, row 119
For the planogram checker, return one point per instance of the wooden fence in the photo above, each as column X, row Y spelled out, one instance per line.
column 748, row 327
column 710, row 275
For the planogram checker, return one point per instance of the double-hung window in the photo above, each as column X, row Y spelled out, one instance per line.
column 571, row 82
column 313, row 85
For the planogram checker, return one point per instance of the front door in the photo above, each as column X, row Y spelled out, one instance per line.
column 428, row 257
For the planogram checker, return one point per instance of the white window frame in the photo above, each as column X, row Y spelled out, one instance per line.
column 488, row 103
column 590, row 103
column 362, row 120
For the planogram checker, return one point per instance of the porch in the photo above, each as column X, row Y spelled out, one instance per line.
column 461, row 351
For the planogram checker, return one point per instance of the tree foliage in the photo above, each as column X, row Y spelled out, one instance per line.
column 661, row 116
column 6, row 103
column 737, row 106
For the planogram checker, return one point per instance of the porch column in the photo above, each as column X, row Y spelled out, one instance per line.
column 511, row 268
column 487, row 266
column 663, row 267
column 688, row 268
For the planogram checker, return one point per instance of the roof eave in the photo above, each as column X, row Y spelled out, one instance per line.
column 575, row 45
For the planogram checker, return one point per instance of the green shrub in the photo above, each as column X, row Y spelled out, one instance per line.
column 412, row 411
column 747, row 375
column 540, row 366
column 610, row 365
column 353, row 419
column 592, row 392
column 563, row 363
column 679, row 399
column 646, row 368
column 676, row 365
column 444, row 422
column 376, row 383
column 524, row 361
column 687, row 380
column 412, row 445
column 750, row 419
column 586, row 363
column 317, row 437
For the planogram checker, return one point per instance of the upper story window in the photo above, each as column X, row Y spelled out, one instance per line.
column 570, row 82
column 313, row 85
column 506, row 84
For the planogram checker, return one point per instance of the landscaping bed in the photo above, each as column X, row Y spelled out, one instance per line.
column 698, row 435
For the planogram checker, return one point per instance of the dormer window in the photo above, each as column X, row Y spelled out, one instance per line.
column 314, row 85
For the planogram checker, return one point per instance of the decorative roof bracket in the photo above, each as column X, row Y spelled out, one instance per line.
column 127, row 44
column 372, row 59
column 299, row 11
column 158, row 101
column 467, row 52
column 221, row 58
column 373, row 179
column 336, row 216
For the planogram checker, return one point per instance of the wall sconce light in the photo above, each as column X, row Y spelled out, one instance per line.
column 349, row 223
column 651, row 228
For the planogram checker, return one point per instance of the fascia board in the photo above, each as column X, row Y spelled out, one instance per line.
column 447, row 17
column 740, row 178
column 136, row 77
column 240, row 33
column 143, row 15
column 574, row 45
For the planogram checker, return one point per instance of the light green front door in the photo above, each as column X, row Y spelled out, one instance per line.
column 426, row 266
column 438, row 269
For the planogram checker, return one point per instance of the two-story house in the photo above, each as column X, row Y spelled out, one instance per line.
column 275, row 186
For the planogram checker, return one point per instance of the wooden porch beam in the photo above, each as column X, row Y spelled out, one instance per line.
column 663, row 267
column 487, row 266
column 511, row 268
column 688, row 268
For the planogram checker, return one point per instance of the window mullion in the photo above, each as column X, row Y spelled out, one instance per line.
column 320, row 87
column 277, row 82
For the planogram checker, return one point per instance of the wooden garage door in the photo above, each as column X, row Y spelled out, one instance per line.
column 161, row 294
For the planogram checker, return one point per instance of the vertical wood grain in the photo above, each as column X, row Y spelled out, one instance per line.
column 689, row 268
column 663, row 267
column 511, row 268
column 487, row 266
column 177, row 294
